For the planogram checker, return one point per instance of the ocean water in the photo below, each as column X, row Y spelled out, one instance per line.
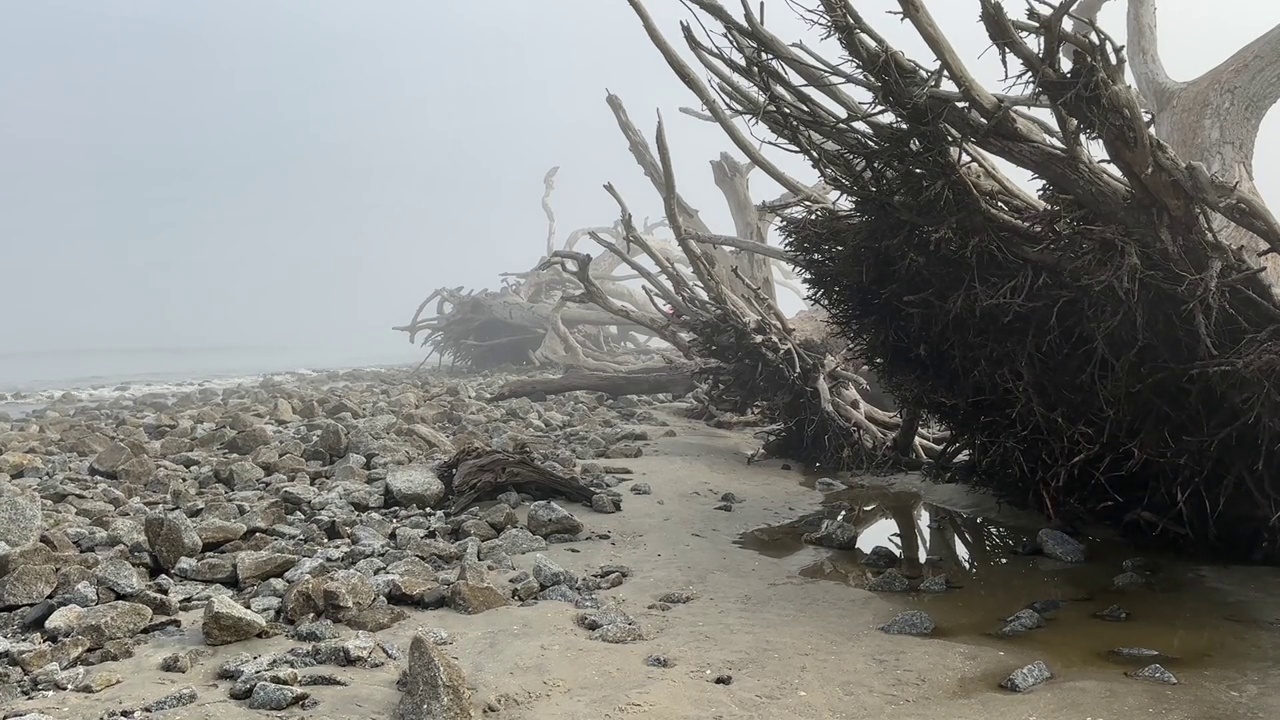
column 33, row 377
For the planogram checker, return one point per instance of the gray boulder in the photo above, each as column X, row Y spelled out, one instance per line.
column 414, row 486
column 21, row 520
column 226, row 622
column 27, row 585
column 171, row 536
column 433, row 684
column 547, row 518
column 1061, row 546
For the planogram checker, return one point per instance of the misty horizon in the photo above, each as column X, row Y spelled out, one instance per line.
column 198, row 177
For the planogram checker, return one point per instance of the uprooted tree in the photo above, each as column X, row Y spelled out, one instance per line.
column 1108, row 344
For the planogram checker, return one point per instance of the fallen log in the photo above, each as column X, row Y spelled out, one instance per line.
column 674, row 379
column 477, row 473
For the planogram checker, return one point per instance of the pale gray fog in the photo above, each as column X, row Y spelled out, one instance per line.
column 245, row 186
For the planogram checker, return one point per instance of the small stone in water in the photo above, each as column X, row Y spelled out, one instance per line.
column 1135, row 652
column 1154, row 673
column 1140, row 565
column 1061, row 546
column 911, row 622
column 1046, row 608
column 1022, row 680
column 1127, row 580
column 1115, row 613
column 1021, row 623
column 934, row 584
column 881, row 558
column 889, row 581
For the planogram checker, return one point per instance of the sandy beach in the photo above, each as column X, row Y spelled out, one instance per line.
column 771, row 627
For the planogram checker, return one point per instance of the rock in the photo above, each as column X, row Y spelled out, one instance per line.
column 641, row 488
column 1024, row 679
column 246, row 441
column 547, row 518
column 513, row 541
column 171, row 536
column 889, row 581
column 253, row 566
column 478, row 529
column 1114, row 613
column 176, row 699
column 881, row 558
column 724, row 507
column 560, row 593
column 226, row 622
column 414, row 486
column 604, row 504
column 120, row 577
column 438, row 636
column 620, row 633
column 377, row 618
column 346, row 593
column 1021, row 623
column 21, row 520
column 433, row 685
column 27, row 585
column 1128, row 581
column 548, row 573
column 618, row 452
column 314, row 632
column 1136, row 653
column 834, row 535
column 678, row 597
column 216, row 533
column 1046, row 608
column 333, row 439
column 1154, row 673
column 419, row 592
column 176, row 663
column 270, row 696
column 500, row 517
column 1061, row 546
column 109, row 460
column 934, row 584
column 113, row 621
column 911, row 622
column 659, row 661
column 215, row 569
column 603, row 618
column 94, row 683
column 470, row 598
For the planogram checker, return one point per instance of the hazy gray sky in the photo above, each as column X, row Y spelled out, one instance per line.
column 253, row 172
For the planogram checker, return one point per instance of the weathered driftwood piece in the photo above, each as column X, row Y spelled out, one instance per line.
column 673, row 379
column 476, row 473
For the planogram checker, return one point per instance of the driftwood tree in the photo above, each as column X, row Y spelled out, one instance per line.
column 1102, row 345
column 1213, row 119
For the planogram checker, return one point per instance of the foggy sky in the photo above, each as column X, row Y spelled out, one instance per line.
column 303, row 173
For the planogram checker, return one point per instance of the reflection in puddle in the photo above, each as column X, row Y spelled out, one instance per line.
column 1184, row 611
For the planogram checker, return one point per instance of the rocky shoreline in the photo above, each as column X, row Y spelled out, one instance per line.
column 281, row 509
column 276, row 545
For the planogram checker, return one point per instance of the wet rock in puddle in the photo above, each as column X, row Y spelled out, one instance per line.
column 1021, row 623
column 834, row 535
column 1046, row 608
column 911, row 622
column 1026, row 678
column 1154, row 673
column 1114, row 613
column 1140, row 565
column 1061, row 546
column 881, row 558
column 1136, row 653
column 1128, row 581
column 433, row 685
column 889, row 581
column 934, row 584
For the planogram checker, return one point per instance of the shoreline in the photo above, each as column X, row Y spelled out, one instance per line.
column 299, row 481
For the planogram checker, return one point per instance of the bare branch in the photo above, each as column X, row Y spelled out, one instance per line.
column 549, row 184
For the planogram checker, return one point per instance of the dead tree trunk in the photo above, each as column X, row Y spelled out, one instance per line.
column 675, row 379
column 1214, row 119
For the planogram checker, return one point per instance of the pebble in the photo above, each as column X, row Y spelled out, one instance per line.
column 889, row 581
column 1114, row 613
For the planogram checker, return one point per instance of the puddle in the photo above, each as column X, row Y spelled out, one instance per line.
column 1201, row 616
